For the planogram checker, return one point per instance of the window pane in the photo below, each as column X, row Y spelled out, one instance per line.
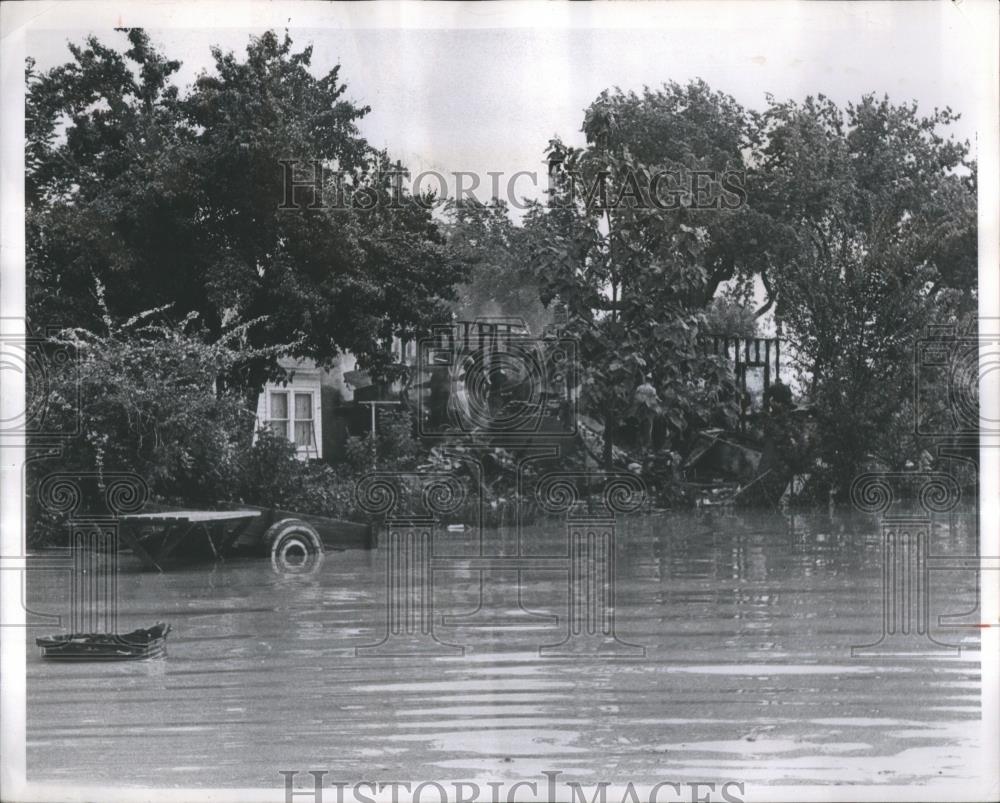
column 279, row 405
column 303, row 433
column 278, row 428
column 303, row 406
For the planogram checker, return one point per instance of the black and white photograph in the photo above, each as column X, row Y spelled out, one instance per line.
column 501, row 402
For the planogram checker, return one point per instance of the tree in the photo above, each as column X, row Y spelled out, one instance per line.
column 172, row 198
column 501, row 283
column 694, row 137
column 634, row 270
column 868, row 221
column 731, row 313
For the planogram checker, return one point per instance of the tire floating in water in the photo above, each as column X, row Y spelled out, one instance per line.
column 294, row 546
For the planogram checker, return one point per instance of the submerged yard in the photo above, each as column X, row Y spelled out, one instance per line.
column 747, row 623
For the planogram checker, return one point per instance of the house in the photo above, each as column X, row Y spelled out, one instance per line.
column 318, row 408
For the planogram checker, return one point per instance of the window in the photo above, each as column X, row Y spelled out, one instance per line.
column 403, row 351
column 304, row 421
column 299, row 427
column 278, row 420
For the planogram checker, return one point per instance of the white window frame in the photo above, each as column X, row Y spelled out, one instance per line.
column 290, row 392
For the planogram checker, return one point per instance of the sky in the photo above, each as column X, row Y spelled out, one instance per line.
column 482, row 88
column 490, row 95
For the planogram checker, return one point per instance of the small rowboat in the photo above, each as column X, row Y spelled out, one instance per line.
column 142, row 643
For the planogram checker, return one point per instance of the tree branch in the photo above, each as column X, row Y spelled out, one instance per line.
column 769, row 289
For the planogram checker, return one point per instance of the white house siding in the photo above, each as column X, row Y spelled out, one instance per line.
column 307, row 378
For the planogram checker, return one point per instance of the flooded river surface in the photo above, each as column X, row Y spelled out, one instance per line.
column 741, row 667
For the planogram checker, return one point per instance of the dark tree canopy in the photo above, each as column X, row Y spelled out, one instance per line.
column 868, row 219
column 634, row 275
column 149, row 196
column 686, row 128
column 860, row 223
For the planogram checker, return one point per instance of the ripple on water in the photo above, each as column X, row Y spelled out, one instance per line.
column 747, row 622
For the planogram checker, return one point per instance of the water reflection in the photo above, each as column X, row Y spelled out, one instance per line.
column 747, row 623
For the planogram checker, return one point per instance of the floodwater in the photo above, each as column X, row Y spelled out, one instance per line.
column 741, row 667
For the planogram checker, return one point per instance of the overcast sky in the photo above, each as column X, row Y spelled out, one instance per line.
column 489, row 98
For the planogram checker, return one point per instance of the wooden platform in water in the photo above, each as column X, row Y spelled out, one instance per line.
column 190, row 516
column 155, row 534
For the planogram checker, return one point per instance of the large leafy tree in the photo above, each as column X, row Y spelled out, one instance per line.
column 150, row 196
column 636, row 272
column 860, row 224
column 696, row 136
column 868, row 234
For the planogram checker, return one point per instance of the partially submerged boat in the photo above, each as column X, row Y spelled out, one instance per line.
column 142, row 643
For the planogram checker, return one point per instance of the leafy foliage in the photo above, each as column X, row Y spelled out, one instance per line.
column 151, row 403
column 395, row 447
column 683, row 130
column 860, row 224
column 730, row 314
column 269, row 474
column 870, row 220
column 148, row 397
column 634, row 277
column 500, row 282
column 172, row 198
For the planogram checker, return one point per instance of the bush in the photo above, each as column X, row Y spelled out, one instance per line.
column 269, row 474
column 150, row 402
column 396, row 447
